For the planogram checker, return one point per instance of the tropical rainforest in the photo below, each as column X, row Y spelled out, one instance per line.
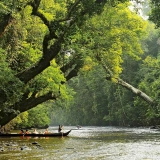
column 87, row 62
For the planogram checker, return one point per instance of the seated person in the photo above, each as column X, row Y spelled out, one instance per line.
column 78, row 126
column 22, row 131
column 46, row 131
column 27, row 132
column 35, row 131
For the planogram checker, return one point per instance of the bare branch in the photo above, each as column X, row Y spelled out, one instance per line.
column 134, row 90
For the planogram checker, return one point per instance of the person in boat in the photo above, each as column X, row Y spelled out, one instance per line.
column 35, row 131
column 22, row 131
column 46, row 131
column 60, row 128
column 27, row 132
column 78, row 126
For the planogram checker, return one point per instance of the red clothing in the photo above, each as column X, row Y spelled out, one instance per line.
column 46, row 132
column 27, row 132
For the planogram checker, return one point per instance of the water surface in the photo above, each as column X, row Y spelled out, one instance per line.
column 87, row 143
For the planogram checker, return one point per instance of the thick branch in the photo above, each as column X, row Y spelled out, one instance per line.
column 35, row 5
column 48, row 54
column 49, row 36
column 73, row 72
column 26, row 105
column 32, row 102
column 44, row 62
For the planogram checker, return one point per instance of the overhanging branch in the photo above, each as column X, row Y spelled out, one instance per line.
column 26, row 105
column 126, row 85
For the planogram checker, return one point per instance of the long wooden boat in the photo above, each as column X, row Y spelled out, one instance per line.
column 60, row 134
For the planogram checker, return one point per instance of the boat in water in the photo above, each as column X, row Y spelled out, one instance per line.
column 60, row 134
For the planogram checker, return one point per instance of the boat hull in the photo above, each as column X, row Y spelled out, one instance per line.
column 61, row 134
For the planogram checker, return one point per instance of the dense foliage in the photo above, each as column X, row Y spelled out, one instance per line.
column 45, row 43
column 98, row 102
column 155, row 12
column 34, row 37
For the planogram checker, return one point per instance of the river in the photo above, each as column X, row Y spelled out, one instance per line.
column 87, row 143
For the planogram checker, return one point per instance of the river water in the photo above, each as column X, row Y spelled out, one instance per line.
column 87, row 143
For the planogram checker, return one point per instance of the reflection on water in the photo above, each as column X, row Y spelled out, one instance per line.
column 87, row 143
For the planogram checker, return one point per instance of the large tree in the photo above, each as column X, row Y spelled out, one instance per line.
column 34, row 43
